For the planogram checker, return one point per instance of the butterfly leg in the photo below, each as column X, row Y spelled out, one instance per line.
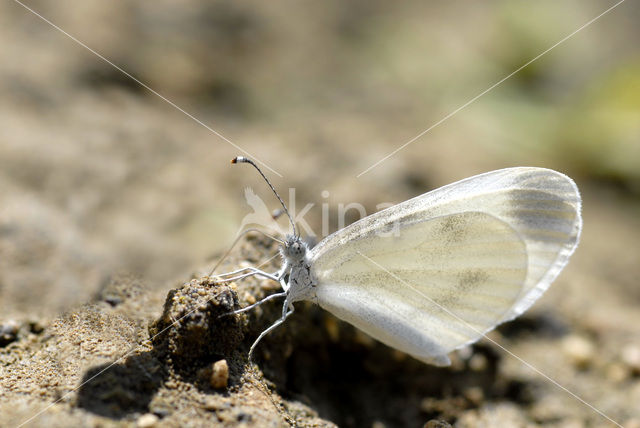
column 273, row 326
column 250, row 271
column 246, row 308
column 238, row 240
column 278, row 277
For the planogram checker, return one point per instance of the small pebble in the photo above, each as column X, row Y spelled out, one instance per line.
column 113, row 300
column 220, row 374
column 147, row 420
column 475, row 395
column 478, row 362
column 580, row 350
column 631, row 357
column 8, row 332
column 161, row 413
column 617, row 372
column 35, row 327
column 249, row 298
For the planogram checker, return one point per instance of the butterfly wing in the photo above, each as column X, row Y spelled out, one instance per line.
column 436, row 272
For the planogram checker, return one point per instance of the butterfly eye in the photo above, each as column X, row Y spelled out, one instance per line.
column 296, row 249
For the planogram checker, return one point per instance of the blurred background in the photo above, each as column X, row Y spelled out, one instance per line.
column 98, row 175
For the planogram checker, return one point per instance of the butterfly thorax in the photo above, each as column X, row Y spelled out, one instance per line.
column 298, row 269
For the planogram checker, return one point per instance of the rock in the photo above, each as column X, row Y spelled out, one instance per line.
column 478, row 362
column 631, row 357
column 475, row 395
column 8, row 332
column 220, row 374
column 191, row 329
column 147, row 420
column 35, row 327
column 617, row 372
column 579, row 349
column 249, row 298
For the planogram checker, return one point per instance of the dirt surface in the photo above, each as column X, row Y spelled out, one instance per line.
column 124, row 358
column 115, row 206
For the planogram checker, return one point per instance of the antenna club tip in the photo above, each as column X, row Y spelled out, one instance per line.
column 239, row 159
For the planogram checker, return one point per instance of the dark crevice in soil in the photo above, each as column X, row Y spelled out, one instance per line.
column 119, row 390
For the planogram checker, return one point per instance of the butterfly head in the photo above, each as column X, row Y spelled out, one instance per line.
column 294, row 249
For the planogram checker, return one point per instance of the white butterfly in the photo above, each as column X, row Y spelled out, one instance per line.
column 461, row 260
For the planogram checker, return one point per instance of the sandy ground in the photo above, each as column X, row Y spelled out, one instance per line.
column 114, row 206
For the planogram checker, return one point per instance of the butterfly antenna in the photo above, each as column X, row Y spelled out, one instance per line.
column 242, row 159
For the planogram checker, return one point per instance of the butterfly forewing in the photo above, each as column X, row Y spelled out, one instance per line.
column 436, row 272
